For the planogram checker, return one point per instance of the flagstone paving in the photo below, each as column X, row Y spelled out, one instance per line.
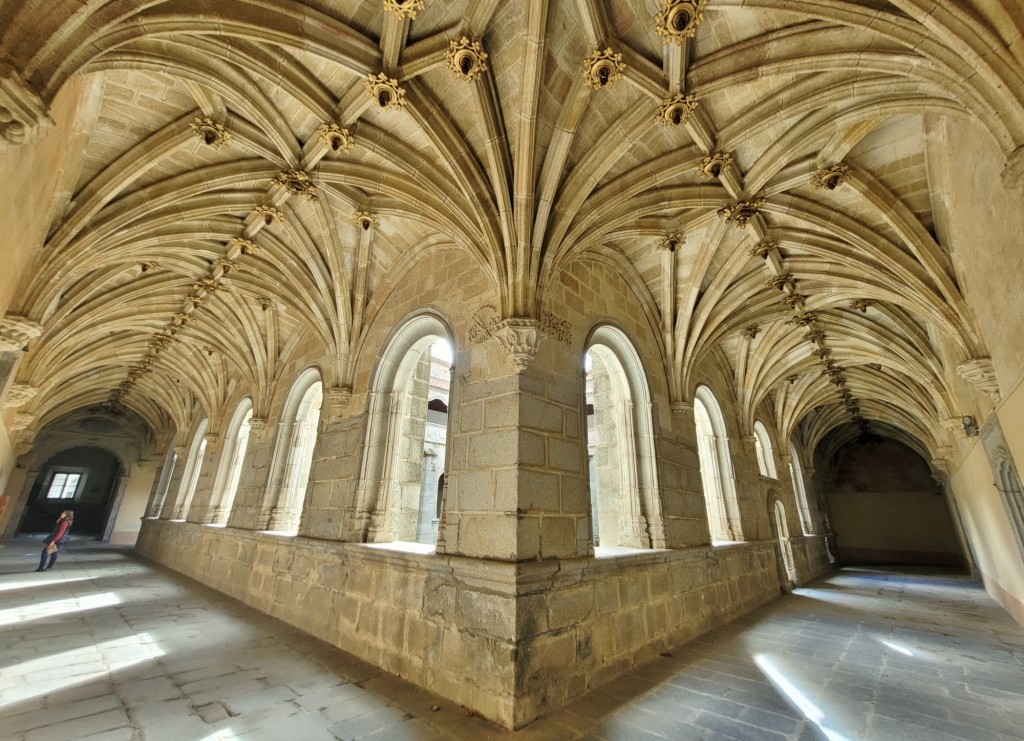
column 107, row 646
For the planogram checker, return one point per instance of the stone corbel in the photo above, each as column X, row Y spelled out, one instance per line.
column 955, row 426
column 19, row 394
column 17, row 331
column 980, row 373
column 520, row 338
column 336, row 401
column 682, row 410
column 941, row 461
column 22, row 421
column 257, row 426
column 22, row 112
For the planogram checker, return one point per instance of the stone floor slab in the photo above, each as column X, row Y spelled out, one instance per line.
column 109, row 647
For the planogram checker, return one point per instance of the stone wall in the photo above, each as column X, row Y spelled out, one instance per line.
column 509, row 641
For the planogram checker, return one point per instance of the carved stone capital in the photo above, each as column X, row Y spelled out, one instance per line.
column 22, row 112
column 683, row 409
column 672, row 241
column 520, row 338
column 17, row 331
column 678, row 19
column 297, row 182
column 209, row 285
column 212, row 133
column 712, row 166
column 365, row 219
column 385, row 90
column 269, row 215
column 831, row 177
column 602, row 68
column 336, row 401
column 404, row 8
column 466, row 59
column 257, row 425
column 677, row 109
column 18, row 394
column 243, row 246
column 982, row 375
column 337, row 138
column 741, row 212
column 763, row 249
column 780, row 281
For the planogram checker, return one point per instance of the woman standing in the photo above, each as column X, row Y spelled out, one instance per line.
column 57, row 535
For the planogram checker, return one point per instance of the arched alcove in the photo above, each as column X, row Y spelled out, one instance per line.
column 784, row 549
column 625, row 508
column 716, row 471
column 796, row 474
column 886, row 507
column 83, row 479
column 293, row 453
column 405, row 452
column 190, row 475
column 765, row 453
column 236, row 442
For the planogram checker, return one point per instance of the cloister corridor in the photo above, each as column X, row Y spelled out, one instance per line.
column 108, row 646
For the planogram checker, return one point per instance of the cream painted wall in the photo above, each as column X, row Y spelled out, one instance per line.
column 133, row 504
column 982, row 224
column 6, row 473
column 886, row 524
column 988, row 529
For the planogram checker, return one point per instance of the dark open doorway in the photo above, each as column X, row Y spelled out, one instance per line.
column 82, row 479
column 886, row 507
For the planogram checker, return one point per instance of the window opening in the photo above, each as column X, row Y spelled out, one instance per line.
column 63, row 485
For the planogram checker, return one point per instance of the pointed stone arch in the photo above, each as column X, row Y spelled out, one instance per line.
column 716, row 469
column 293, row 453
column 626, row 510
column 391, row 500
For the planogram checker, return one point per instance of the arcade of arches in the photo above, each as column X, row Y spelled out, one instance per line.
column 505, row 344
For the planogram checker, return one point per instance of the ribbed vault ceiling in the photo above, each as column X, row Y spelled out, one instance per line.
column 160, row 287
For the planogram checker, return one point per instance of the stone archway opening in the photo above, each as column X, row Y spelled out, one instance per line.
column 83, row 479
column 405, row 463
column 885, row 506
column 625, row 512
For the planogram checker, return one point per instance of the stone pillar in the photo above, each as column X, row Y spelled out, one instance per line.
column 516, row 485
column 248, row 506
column 171, row 495
column 19, row 484
column 210, row 475
column 683, row 507
column 750, row 495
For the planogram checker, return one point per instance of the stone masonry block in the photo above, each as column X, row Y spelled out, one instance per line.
column 569, row 607
column 489, row 613
column 539, row 490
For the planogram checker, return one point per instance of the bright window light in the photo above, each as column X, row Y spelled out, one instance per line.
column 896, row 647
column 441, row 350
column 53, row 608
column 798, row 699
column 63, row 486
column 49, row 581
column 60, row 671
